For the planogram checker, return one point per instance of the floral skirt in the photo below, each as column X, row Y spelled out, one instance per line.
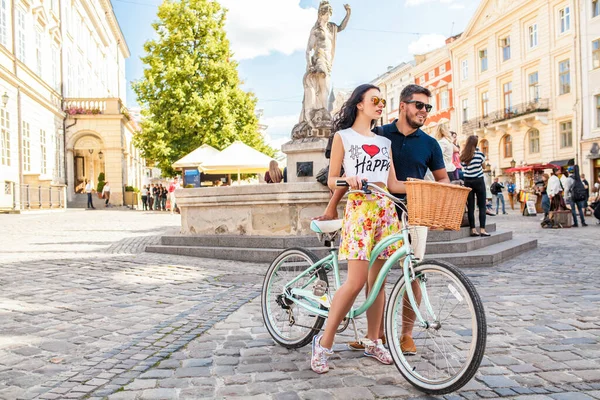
column 367, row 220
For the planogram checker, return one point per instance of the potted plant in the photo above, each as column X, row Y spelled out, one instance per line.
column 101, row 183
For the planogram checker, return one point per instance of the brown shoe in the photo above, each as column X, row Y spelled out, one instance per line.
column 359, row 346
column 407, row 345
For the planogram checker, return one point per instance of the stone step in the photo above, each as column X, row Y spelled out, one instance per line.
column 284, row 242
column 488, row 256
column 468, row 244
column 79, row 201
column 480, row 257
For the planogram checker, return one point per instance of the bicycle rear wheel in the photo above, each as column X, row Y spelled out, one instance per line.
column 450, row 350
column 290, row 325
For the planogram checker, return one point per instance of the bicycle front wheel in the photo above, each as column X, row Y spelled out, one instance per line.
column 289, row 324
column 450, row 349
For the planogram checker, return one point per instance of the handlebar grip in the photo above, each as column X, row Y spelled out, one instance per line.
column 341, row 183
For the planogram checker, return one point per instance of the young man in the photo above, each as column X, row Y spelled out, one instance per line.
column 413, row 152
column 89, row 188
column 511, row 188
column 496, row 189
column 586, row 185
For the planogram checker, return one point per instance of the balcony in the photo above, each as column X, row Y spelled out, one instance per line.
column 87, row 106
column 515, row 114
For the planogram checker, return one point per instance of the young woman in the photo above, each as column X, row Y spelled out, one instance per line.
column 472, row 162
column 367, row 220
column 456, row 156
column 273, row 175
column 444, row 138
column 543, row 191
column 106, row 193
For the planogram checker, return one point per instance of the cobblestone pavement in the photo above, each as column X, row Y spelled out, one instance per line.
column 83, row 320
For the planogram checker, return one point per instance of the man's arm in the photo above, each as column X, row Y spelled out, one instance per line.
column 441, row 175
column 331, row 209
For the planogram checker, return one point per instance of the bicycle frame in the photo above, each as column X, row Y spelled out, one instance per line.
column 296, row 295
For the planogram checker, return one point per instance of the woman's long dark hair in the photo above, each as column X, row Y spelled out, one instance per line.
column 345, row 118
column 469, row 150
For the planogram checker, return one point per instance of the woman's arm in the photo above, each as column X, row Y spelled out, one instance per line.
column 335, row 166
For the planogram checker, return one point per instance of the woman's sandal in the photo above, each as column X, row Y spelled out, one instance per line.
column 485, row 234
column 474, row 234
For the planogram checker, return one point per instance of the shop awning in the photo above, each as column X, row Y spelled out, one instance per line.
column 564, row 163
column 532, row 167
column 196, row 157
column 237, row 158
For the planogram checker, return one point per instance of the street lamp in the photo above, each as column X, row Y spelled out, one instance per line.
column 488, row 167
column 100, row 155
column 4, row 99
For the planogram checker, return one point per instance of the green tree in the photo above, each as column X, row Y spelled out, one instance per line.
column 190, row 93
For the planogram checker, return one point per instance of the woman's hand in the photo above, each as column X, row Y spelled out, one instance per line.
column 354, row 182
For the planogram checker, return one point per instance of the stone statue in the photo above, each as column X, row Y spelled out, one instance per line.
column 315, row 118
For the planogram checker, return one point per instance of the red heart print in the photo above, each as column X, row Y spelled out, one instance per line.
column 371, row 149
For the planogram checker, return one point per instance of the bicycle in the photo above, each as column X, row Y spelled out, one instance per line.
column 296, row 296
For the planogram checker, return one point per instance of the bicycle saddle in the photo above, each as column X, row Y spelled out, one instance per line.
column 326, row 226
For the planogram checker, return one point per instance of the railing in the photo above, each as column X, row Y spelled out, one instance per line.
column 93, row 106
column 38, row 197
column 540, row 105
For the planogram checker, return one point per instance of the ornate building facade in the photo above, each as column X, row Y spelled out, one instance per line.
column 391, row 84
column 62, row 117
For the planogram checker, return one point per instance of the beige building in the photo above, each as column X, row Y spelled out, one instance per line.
column 391, row 84
column 516, row 81
column 62, row 115
column 589, row 11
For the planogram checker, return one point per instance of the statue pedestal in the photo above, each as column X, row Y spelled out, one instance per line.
column 305, row 158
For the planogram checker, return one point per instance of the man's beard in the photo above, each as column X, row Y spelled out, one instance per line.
column 413, row 123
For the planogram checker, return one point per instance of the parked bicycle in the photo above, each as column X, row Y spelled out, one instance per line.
column 449, row 329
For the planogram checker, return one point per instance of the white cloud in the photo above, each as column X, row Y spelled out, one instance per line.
column 415, row 3
column 457, row 6
column 261, row 27
column 426, row 43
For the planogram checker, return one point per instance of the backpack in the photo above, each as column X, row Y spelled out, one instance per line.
column 578, row 192
column 494, row 188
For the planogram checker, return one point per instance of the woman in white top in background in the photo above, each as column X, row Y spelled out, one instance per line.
column 367, row 220
column 106, row 194
column 444, row 138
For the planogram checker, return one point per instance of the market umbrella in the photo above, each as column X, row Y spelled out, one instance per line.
column 238, row 158
column 196, row 157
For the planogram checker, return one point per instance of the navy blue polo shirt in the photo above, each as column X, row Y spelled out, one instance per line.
column 412, row 154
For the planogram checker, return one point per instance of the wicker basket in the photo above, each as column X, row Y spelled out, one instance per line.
column 436, row 205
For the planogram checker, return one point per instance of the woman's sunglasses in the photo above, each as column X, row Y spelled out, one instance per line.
column 420, row 105
column 376, row 100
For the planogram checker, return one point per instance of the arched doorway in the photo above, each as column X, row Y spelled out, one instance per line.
column 88, row 161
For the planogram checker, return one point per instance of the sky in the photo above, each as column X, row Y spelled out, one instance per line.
column 269, row 37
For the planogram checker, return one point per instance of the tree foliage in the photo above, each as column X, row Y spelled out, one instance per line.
column 190, row 93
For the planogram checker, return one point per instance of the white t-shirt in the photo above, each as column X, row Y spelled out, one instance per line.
column 447, row 151
column 88, row 188
column 106, row 189
column 367, row 157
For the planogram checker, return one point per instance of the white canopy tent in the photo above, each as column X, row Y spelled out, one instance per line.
column 238, row 158
column 196, row 157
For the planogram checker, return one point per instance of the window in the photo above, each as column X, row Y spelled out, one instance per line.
column 465, row 69
column 442, row 68
column 533, row 37
column 444, row 100
column 534, row 140
column 507, row 145
column 26, row 147
column 465, row 110
column 55, row 69
column 565, row 19
column 566, row 134
column 595, row 8
column 59, row 152
column 38, row 52
column 8, row 187
column 534, row 87
column 507, row 92
column 431, row 75
column 393, row 103
column 434, row 102
column 505, row 45
column 43, row 159
column 21, row 39
column 484, row 146
column 596, row 54
column 484, row 104
column 597, row 98
column 5, row 137
column 3, row 23
column 564, row 77
column 483, row 60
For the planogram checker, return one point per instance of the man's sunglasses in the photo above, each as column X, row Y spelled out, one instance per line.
column 420, row 105
column 376, row 100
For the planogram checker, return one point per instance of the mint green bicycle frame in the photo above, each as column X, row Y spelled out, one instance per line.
column 296, row 295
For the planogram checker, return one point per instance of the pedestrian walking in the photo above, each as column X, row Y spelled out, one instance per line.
column 156, row 197
column 106, row 194
column 542, row 190
column 555, row 189
column 496, row 189
column 163, row 197
column 444, row 138
column 456, row 156
column 145, row 198
column 472, row 162
column 586, row 185
column 89, row 188
column 575, row 195
column 172, row 187
column 511, row 189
